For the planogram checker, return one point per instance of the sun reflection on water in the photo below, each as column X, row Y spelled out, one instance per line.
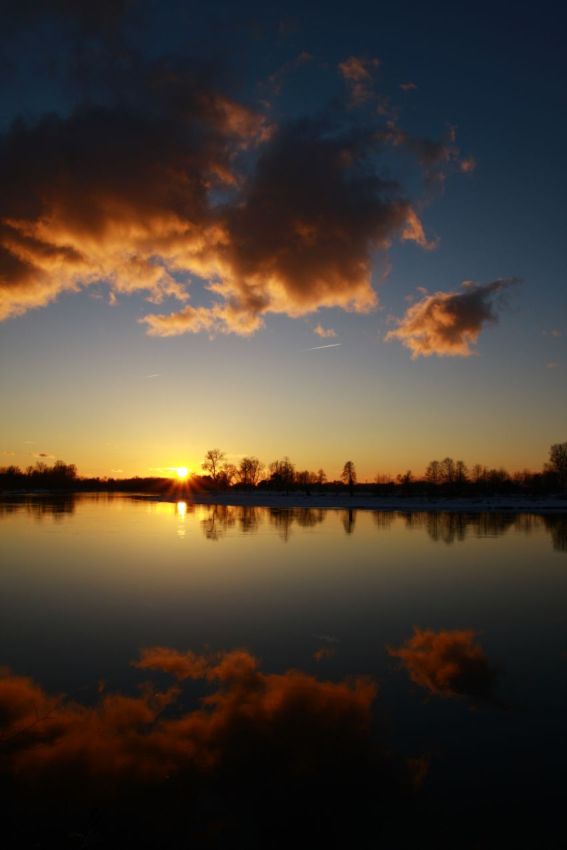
column 181, row 511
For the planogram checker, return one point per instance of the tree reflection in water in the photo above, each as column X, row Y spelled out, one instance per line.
column 557, row 527
column 55, row 506
column 442, row 526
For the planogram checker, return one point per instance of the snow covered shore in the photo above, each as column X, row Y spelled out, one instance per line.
column 369, row 501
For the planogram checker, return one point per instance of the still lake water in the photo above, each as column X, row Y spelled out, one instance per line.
column 458, row 620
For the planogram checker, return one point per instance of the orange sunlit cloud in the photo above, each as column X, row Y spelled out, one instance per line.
column 449, row 323
column 324, row 333
column 127, row 199
column 413, row 232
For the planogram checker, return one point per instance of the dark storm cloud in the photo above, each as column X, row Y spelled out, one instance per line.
column 449, row 323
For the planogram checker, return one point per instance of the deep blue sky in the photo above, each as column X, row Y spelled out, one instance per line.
column 74, row 369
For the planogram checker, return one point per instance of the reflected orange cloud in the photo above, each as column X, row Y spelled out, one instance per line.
column 130, row 736
column 448, row 664
column 262, row 746
column 323, row 653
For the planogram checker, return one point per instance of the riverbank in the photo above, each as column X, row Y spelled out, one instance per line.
column 332, row 501
column 367, row 501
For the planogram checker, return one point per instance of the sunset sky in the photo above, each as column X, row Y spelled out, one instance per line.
column 328, row 233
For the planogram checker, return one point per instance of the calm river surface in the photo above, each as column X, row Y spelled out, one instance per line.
column 439, row 638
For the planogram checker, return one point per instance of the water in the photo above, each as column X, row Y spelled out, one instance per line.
column 457, row 621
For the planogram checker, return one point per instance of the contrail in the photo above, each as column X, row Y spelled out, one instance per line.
column 317, row 347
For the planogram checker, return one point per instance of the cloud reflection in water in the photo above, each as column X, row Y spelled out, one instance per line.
column 449, row 664
column 263, row 757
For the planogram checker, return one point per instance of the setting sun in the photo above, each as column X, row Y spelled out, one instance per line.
column 182, row 472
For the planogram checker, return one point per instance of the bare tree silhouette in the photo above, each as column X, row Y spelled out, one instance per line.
column 250, row 471
column 348, row 475
column 282, row 474
column 212, row 463
column 558, row 461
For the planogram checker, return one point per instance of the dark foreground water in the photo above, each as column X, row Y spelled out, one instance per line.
column 190, row 676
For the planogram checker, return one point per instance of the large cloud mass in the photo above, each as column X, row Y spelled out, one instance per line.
column 127, row 199
column 161, row 177
column 114, row 195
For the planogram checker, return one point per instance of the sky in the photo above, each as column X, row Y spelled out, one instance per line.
column 334, row 232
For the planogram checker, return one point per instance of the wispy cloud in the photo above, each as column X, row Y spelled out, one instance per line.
column 357, row 71
column 467, row 164
column 162, row 470
column 318, row 347
column 327, row 638
column 325, row 333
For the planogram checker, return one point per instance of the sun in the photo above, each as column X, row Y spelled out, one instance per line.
column 182, row 472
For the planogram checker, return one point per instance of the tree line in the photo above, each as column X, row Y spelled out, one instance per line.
column 278, row 475
column 442, row 477
column 446, row 477
column 60, row 476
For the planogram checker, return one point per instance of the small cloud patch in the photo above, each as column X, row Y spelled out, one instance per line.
column 448, row 324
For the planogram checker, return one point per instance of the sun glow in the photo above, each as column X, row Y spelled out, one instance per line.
column 182, row 472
